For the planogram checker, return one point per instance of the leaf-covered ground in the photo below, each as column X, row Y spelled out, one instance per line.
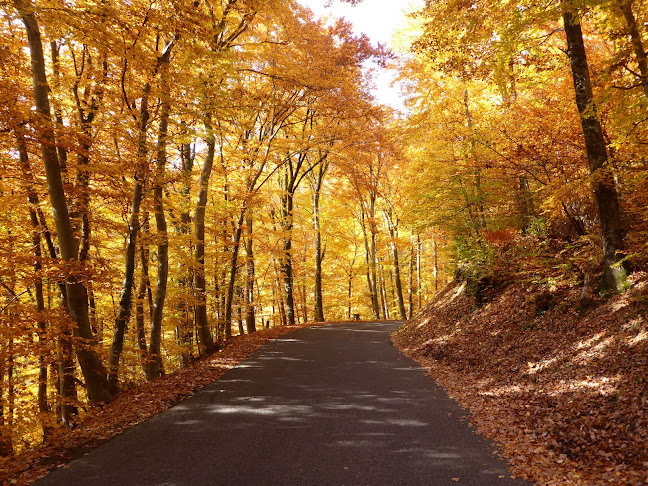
column 131, row 407
column 563, row 390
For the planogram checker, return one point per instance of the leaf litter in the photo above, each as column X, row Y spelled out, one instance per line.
column 561, row 389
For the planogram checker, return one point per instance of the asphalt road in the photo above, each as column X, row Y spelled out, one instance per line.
column 330, row 405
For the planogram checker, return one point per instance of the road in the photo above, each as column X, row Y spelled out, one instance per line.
column 329, row 405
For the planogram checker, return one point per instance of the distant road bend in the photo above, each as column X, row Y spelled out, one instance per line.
column 330, row 405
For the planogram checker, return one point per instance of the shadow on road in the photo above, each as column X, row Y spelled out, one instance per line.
column 332, row 405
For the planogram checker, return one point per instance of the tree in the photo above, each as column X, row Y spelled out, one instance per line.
column 77, row 297
column 604, row 185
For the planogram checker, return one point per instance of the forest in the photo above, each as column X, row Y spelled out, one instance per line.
column 177, row 173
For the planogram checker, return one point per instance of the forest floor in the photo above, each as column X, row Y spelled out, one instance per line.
column 562, row 389
column 132, row 406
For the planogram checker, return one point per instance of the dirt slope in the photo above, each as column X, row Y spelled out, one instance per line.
column 563, row 389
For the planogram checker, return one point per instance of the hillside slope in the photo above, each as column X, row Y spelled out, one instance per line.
column 564, row 390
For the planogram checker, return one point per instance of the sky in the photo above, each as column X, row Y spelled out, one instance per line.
column 379, row 19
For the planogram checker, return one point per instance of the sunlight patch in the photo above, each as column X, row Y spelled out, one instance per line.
column 590, row 342
column 605, row 385
column 595, row 351
column 642, row 336
column 499, row 391
column 262, row 410
column 458, row 292
column 541, row 365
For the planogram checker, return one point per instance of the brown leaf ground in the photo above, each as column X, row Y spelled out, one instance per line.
column 131, row 407
column 563, row 390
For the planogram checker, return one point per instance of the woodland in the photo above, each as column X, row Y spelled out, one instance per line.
column 178, row 173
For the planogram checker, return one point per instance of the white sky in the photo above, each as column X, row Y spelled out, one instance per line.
column 379, row 19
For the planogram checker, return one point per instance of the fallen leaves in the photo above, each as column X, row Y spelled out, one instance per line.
column 564, row 392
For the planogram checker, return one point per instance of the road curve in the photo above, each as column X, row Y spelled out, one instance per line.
column 330, row 405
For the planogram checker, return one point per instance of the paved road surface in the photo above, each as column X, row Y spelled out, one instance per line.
column 333, row 405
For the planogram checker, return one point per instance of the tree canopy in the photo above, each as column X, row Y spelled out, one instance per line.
column 177, row 173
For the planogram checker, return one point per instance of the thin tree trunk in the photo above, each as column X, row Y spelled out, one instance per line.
column 67, row 368
column 126, row 297
column 154, row 356
column 373, row 291
column 236, row 243
column 637, row 42
column 239, row 307
column 603, row 182
column 205, row 340
column 97, row 386
column 435, row 263
column 250, row 318
column 279, row 296
column 319, row 256
column 97, row 328
column 383, row 291
column 58, row 117
column 6, row 446
column 350, row 296
column 184, row 329
column 139, row 309
column 419, row 248
column 286, row 257
column 410, row 280
column 304, row 296
column 396, row 263
column 41, row 327
column 373, row 268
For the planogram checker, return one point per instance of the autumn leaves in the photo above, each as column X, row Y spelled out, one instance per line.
column 179, row 167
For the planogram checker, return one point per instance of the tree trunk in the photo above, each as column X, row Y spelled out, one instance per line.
column 279, row 296
column 205, row 340
column 6, row 445
column 383, row 291
column 126, row 297
column 97, row 386
column 637, row 43
column 139, row 309
column 391, row 227
column 41, row 327
column 250, row 318
column 373, row 290
column 419, row 250
column 241, row 329
column 58, row 117
column 66, row 367
column 154, row 368
column 184, row 328
column 286, row 257
column 67, row 383
column 350, row 296
column 374, row 269
column 435, row 263
column 410, row 278
column 304, row 293
column 232, row 275
column 603, row 182
column 319, row 256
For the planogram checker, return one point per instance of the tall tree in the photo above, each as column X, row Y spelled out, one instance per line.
column 77, row 297
column 603, row 182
